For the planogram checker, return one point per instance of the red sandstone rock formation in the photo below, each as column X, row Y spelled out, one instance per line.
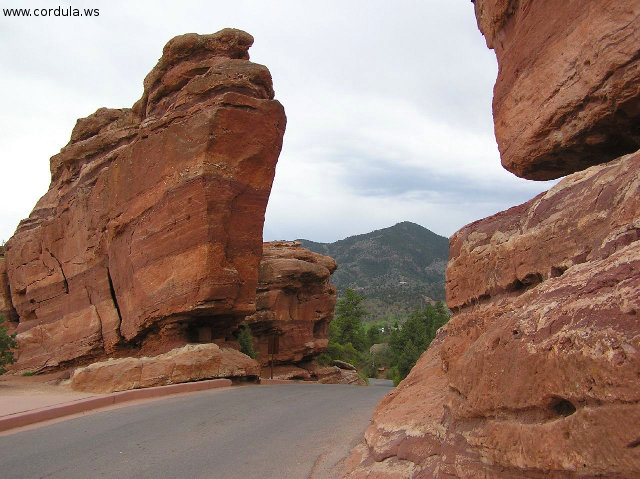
column 6, row 307
column 535, row 378
column 152, row 225
column 192, row 362
column 294, row 301
column 585, row 218
column 310, row 371
column 567, row 94
column 536, row 374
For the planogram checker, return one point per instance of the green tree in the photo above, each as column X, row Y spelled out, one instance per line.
column 347, row 325
column 407, row 343
column 7, row 343
column 246, row 341
column 373, row 335
column 343, row 352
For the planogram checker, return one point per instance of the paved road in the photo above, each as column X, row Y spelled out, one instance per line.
column 280, row 431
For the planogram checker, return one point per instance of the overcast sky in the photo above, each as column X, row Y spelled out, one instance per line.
column 388, row 104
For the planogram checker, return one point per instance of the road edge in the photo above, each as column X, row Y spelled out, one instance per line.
column 26, row 418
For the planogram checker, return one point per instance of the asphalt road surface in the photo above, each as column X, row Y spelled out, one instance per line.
column 281, row 431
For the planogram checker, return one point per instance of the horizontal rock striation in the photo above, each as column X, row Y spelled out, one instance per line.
column 536, row 374
column 538, row 380
column 568, row 89
column 585, row 217
column 294, row 301
column 153, row 220
column 6, row 306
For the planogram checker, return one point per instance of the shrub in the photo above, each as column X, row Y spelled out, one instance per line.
column 246, row 341
column 347, row 328
column 414, row 336
column 7, row 343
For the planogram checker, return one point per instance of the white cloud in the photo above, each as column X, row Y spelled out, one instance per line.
column 388, row 105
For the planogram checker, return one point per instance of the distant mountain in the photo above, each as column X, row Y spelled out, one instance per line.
column 396, row 268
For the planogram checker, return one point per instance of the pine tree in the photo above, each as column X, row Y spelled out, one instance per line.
column 246, row 341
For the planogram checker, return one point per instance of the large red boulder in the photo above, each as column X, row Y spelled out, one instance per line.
column 586, row 217
column 6, row 307
column 534, row 380
column 192, row 362
column 536, row 374
column 294, row 302
column 152, row 225
column 567, row 94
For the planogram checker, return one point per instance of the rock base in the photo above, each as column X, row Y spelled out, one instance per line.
column 193, row 362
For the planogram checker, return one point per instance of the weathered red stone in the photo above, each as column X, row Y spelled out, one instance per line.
column 153, row 220
column 586, row 217
column 193, row 362
column 538, row 380
column 6, row 307
column 568, row 89
column 294, row 301
column 311, row 371
column 536, row 374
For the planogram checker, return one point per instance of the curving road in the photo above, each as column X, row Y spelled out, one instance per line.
column 284, row 431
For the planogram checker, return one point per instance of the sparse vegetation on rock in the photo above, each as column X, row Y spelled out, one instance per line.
column 245, row 339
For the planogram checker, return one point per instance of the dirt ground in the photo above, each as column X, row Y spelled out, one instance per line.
column 23, row 393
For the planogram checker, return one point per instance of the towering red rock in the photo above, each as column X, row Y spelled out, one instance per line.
column 6, row 307
column 536, row 374
column 294, row 301
column 152, row 225
column 567, row 94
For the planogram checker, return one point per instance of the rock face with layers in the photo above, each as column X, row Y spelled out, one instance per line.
column 536, row 374
column 192, row 362
column 294, row 301
column 6, row 307
column 310, row 371
column 152, row 225
column 586, row 217
column 568, row 89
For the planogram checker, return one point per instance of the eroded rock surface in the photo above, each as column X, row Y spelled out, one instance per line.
column 538, row 380
column 152, row 225
column 586, row 217
column 536, row 374
column 294, row 301
column 568, row 89
column 311, row 371
column 6, row 307
column 193, row 362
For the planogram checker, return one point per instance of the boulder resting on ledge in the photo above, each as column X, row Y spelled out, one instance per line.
column 567, row 94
